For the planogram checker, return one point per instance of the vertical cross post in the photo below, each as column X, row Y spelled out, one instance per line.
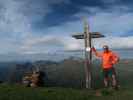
column 88, row 55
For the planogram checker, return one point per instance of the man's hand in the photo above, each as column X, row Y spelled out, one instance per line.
column 93, row 49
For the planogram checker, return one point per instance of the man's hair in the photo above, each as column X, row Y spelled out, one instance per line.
column 105, row 47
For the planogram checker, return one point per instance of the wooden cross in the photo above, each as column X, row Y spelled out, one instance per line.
column 87, row 36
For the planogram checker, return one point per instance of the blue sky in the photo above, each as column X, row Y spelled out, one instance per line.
column 41, row 26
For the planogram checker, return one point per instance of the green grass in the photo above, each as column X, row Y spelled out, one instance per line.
column 16, row 92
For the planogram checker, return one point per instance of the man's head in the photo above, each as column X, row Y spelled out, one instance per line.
column 105, row 48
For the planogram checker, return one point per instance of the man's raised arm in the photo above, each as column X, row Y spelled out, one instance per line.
column 98, row 54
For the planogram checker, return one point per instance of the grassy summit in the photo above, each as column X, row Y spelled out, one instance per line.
column 22, row 93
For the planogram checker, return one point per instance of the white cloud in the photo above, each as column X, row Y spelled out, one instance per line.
column 16, row 18
column 109, row 23
column 50, row 44
column 70, row 44
column 114, row 21
column 115, row 42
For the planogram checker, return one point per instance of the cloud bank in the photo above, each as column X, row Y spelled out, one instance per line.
column 41, row 26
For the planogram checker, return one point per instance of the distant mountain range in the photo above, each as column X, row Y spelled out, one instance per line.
column 68, row 72
column 58, row 56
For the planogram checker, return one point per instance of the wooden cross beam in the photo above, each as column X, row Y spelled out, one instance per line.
column 93, row 35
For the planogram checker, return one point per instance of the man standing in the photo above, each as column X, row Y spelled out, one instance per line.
column 108, row 60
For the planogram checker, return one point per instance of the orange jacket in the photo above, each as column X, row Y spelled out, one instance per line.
column 108, row 59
